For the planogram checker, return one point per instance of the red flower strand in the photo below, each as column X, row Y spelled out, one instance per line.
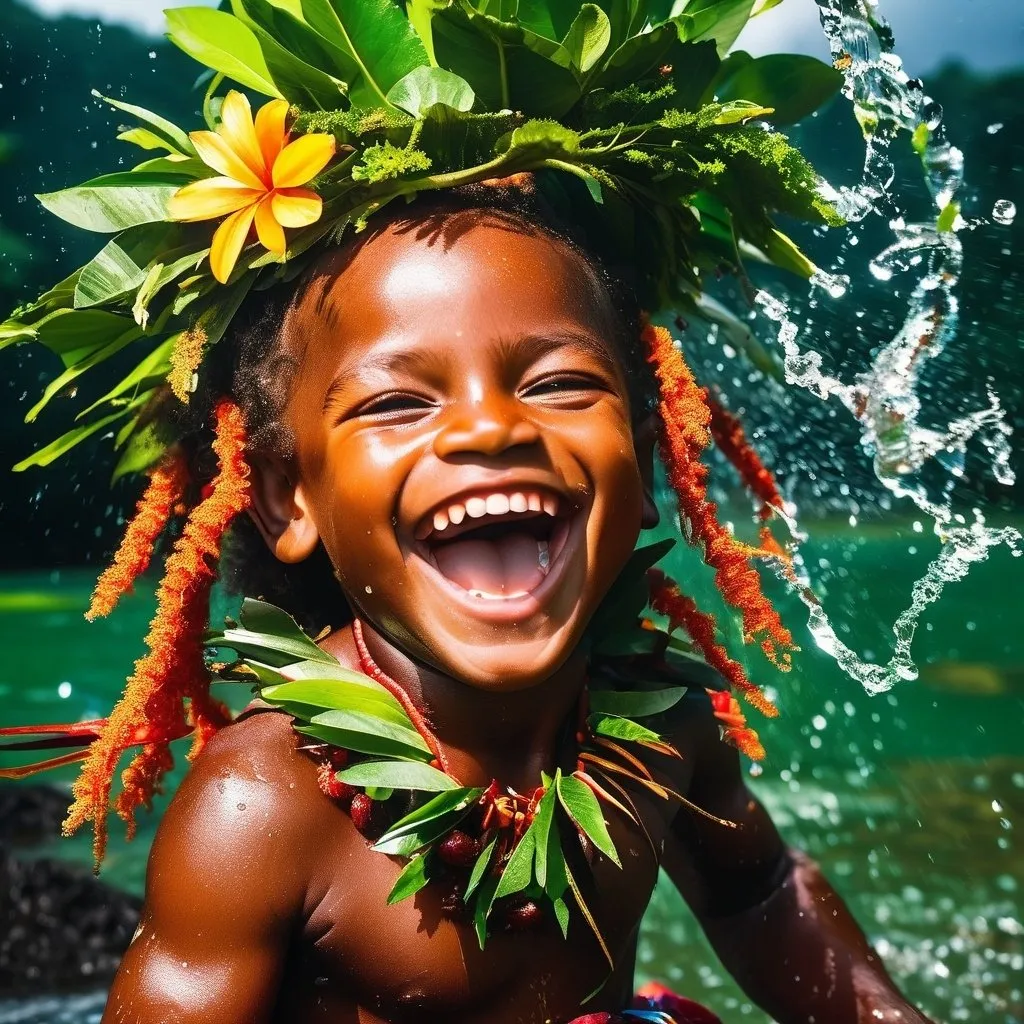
column 167, row 484
column 152, row 705
column 684, row 434
column 682, row 611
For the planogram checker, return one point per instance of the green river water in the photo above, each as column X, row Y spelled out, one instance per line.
column 912, row 800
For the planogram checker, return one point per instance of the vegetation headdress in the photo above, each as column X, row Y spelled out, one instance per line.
column 629, row 107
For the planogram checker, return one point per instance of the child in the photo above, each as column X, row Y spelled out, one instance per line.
column 434, row 447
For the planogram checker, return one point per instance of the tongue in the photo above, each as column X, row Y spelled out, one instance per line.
column 499, row 567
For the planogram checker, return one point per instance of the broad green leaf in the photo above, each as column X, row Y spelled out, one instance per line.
column 781, row 250
column 637, row 57
column 146, row 374
column 372, row 725
column 721, row 20
column 172, row 137
column 380, row 793
column 86, row 363
column 740, row 111
column 376, row 36
column 622, row 729
column 636, row 703
column 328, row 694
column 793, row 85
column 579, row 802
column 627, row 599
column 424, row 87
column 301, row 66
column 142, row 449
column 414, row 877
column 114, row 202
column 55, row 449
column 220, row 41
column 760, row 6
column 123, row 263
column 366, row 743
column 588, row 37
column 263, row 617
column 542, row 825
column 518, row 871
column 143, row 138
column 420, row 13
column 271, row 650
column 542, row 140
column 434, row 819
column 73, row 334
column 482, row 907
column 397, row 775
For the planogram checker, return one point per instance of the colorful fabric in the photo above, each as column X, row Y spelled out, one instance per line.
column 658, row 1004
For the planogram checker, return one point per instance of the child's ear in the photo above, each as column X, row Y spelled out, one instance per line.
column 645, row 437
column 280, row 510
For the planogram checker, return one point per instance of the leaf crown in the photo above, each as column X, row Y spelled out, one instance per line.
column 630, row 107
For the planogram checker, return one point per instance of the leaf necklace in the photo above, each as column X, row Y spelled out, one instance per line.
column 508, row 858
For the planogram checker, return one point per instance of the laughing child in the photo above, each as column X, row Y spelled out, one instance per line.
column 430, row 443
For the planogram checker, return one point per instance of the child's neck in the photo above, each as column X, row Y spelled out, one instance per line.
column 485, row 735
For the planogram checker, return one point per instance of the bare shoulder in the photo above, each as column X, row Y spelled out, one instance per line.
column 250, row 801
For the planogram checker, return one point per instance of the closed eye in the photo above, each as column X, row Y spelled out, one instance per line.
column 564, row 385
column 394, row 405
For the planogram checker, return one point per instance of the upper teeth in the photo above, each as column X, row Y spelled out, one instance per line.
column 497, row 503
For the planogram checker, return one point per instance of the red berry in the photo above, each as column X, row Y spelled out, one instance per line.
column 458, row 849
column 338, row 756
column 332, row 786
column 452, row 904
column 361, row 810
column 521, row 917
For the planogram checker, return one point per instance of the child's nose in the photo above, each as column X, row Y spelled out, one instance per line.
column 489, row 426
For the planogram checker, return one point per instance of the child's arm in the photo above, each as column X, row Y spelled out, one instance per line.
column 774, row 920
column 223, row 889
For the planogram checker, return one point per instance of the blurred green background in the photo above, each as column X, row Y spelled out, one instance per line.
column 912, row 800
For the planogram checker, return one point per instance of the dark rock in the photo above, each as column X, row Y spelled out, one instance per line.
column 31, row 815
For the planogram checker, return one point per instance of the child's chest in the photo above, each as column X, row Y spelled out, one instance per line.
column 360, row 959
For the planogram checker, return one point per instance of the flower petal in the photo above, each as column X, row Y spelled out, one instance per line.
column 209, row 198
column 302, row 159
column 270, row 130
column 216, row 153
column 228, row 241
column 238, row 132
column 271, row 233
column 296, row 207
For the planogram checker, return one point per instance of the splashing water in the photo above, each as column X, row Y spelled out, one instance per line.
column 884, row 398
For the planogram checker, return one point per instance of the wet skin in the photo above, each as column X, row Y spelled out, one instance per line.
column 431, row 369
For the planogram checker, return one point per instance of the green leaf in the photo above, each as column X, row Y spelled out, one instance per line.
column 588, row 37
column 55, row 449
column 297, row 59
column 146, row 374
column 263, row 617
column 376, row 36
column 518, row 872
column 365, row 743
column 483, row 862
column 73, row 334
column 636, row 703
column 144, row 448
column 740, row 111
column 637, row 57
column 271, row 650
column 220, row 41
column 947, row 218
column 170, row 135
column 720, row 20
column 793, row 85
column 122, row 264
column 542, row 825
column 424, row 87
column 379, row 793
column 540, row 140
column 414, row 877
column 435, row 818
column 579, row 802
column 114, row 202
column 370, row 724
column 397, row 775
column 625, row 601
column 334, row 693
column 484, row 899
column 622, row 729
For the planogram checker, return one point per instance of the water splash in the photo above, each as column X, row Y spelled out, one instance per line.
column 884, row 398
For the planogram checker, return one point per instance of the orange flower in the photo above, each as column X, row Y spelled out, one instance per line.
column 260, row 174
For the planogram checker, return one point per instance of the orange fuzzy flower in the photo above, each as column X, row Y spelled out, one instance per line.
column 684, row 434
column 735, row 730
column 151, row 708
column 682, row 611
column 166, row 486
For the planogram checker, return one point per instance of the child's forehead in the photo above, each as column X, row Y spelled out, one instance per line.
column 476, row 274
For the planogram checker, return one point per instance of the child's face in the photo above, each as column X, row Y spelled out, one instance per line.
column 464, row 444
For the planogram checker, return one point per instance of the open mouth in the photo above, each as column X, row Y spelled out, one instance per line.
column 498, row 545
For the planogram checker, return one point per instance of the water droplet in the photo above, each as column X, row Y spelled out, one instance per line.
column 64, row 690
column 1004, row 212
column 993, row 129
column 241, row 807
